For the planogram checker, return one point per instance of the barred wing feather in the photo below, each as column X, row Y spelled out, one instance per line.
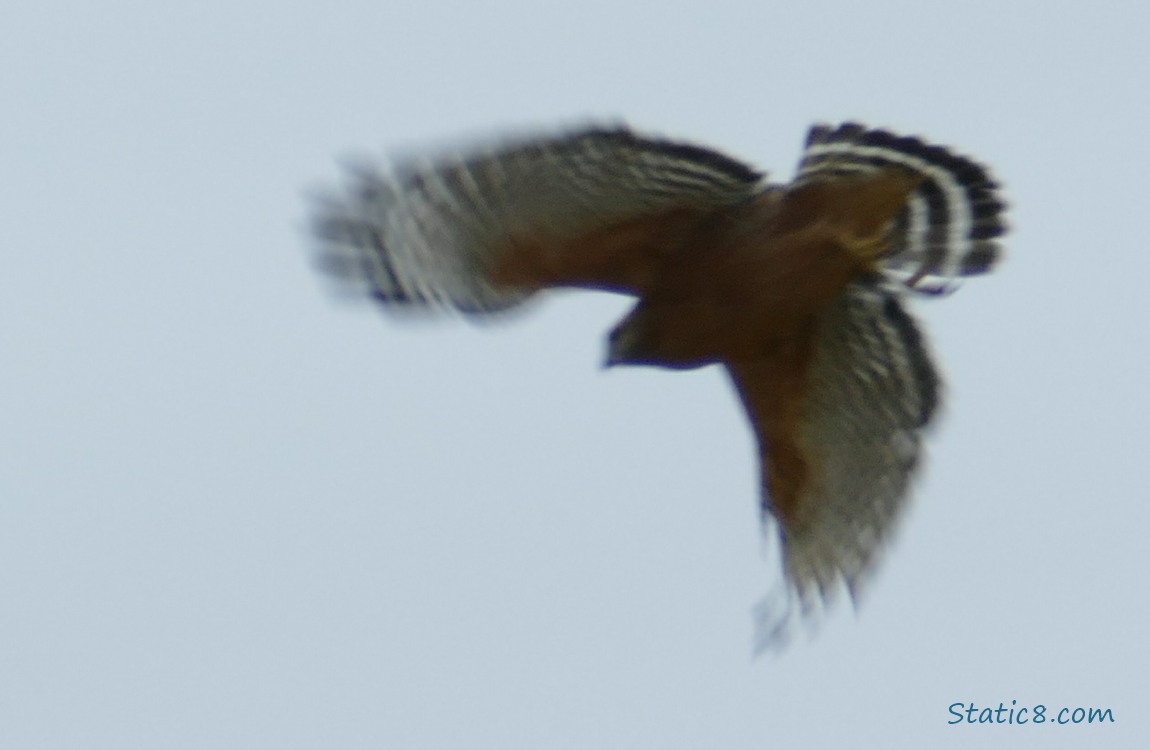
column 429, row 233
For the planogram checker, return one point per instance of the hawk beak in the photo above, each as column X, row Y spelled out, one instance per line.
column 613, row 356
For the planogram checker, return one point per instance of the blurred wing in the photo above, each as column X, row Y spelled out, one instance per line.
column 481, row 231
column 950, row 222
column 838, row 412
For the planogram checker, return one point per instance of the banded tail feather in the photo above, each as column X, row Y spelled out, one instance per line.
column 950, row 225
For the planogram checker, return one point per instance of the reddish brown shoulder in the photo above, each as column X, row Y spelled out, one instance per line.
column 621, row 257
column 773, row 389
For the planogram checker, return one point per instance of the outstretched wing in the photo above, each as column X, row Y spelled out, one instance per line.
column 481, row 231
column 951, row 220
column 838, row 411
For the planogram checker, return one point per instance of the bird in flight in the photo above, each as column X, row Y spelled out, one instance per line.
column 795, row 289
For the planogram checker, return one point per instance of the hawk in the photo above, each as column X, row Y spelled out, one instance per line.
column 795, row 289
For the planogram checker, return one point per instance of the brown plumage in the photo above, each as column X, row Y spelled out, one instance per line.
column 795, row 289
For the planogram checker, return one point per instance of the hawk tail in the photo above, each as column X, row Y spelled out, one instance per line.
column 950, row 223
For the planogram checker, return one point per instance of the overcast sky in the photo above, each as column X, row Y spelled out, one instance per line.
column 236, row 513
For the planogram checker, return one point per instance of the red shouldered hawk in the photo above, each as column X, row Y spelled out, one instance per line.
column 795, row 289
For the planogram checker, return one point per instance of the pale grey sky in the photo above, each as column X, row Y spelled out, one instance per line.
column 234, row 514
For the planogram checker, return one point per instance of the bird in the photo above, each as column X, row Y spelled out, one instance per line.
column 796, row 289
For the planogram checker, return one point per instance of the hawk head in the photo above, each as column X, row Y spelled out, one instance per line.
column 626, row 344
column 655, row 336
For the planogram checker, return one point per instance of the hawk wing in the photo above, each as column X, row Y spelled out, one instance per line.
column 481, row 231
column 947, row 229
column 838, row 411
